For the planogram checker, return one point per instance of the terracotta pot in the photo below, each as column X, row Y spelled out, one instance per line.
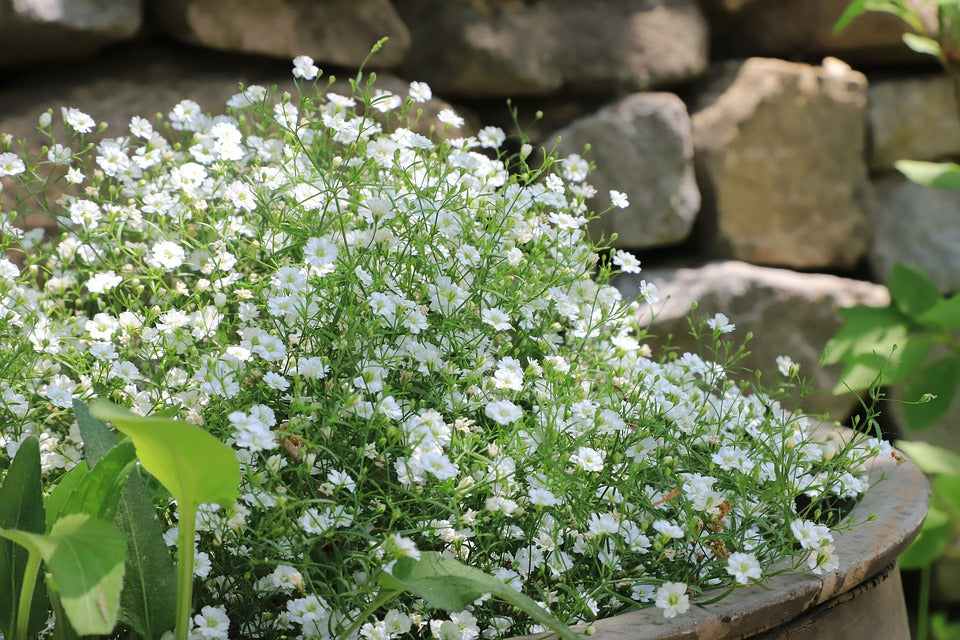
column 861, row 600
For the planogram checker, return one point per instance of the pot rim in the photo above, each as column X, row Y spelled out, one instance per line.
column 897, row 496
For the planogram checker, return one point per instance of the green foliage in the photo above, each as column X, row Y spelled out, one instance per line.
column 148, row 601
column 21, row 508
column 445, row 583
column 194, row 467
column 942, row 175
column 84, row 555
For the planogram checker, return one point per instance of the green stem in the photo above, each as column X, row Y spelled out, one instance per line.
column 923, row 603
column 187, row 528
column 382, row 598
column 30, row 573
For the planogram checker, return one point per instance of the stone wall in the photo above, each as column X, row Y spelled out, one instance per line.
column 756, row 147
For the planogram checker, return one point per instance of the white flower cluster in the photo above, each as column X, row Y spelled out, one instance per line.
column 404, row 344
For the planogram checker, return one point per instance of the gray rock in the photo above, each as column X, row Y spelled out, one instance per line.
column 914, row 118
column 642, row 146
column 803, row 29
column 789, row 313
column 512, row 48
column 36, row 30
column 917, row 225
column 780, row 163
column 333, row 31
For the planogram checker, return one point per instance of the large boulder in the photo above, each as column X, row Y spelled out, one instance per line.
column 514, row 48
column 789, row 313
column 642, row 146
column 37, row 30
column 779, row 150
column 912, row 118
column 917, row 225
column 338, row 32
column 803, row 29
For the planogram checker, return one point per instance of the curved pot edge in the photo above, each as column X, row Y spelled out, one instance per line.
column 898, row 497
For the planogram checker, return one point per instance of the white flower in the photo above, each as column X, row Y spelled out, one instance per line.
column 649, row 292
column 303, row 67
column 78, row 120
column 102, row 282
column 744, row 567
column 588, row 459
column 420, row 91
column 627, row 262
column 672, row 598
column 811, row 535
column 787, row 367
column 823, row 559
column 491, row 137
column 618, row 199
column 167, row 255
column 721, row 323
column 503, row 412
column 212, row 623
column 667, row 528
column 11, row 165
column 496, row 318
column 448, row 117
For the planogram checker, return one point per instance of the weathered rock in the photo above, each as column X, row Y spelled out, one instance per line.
column 642, row 146
column 333, row 32
column 803, row 29
column 35, row 30
column 513, row 48
column 789, row 313
column 779, row 150
column 914, row 118
column 917, row 225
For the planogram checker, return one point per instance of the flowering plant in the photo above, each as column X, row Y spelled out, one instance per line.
column 411, row 351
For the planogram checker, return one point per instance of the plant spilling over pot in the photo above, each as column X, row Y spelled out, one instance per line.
column 445, row 420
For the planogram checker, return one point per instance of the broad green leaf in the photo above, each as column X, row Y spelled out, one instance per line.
column 933, row 539
column 84, row 556
column 867, row 330
column 947, row 491
column 909, row 357
column 945, row 314
column 148, row 601
column 912, row 291
column 864, row 370
column 192, row 464
column 21, row 507
column 930, row 458
column 61, row 493
column 921, row 44
column 929, row 393
column 445, row 583
column 942, row 175
column 98, row 493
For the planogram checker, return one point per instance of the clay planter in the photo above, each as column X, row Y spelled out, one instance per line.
column 861, row 600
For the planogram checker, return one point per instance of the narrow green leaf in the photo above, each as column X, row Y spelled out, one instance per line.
column 921, row 44
column 853, row 10
column 98, row 439
column 84, row 556
column 445, row 583
column 192, row 464
column 933, row 539
column 148, row 601
column 930, row 458
column 942, row 175
column 912, row 291
column 929, row 393
column 21, row 507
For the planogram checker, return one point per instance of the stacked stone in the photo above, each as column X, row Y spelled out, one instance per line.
column 755, row 160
